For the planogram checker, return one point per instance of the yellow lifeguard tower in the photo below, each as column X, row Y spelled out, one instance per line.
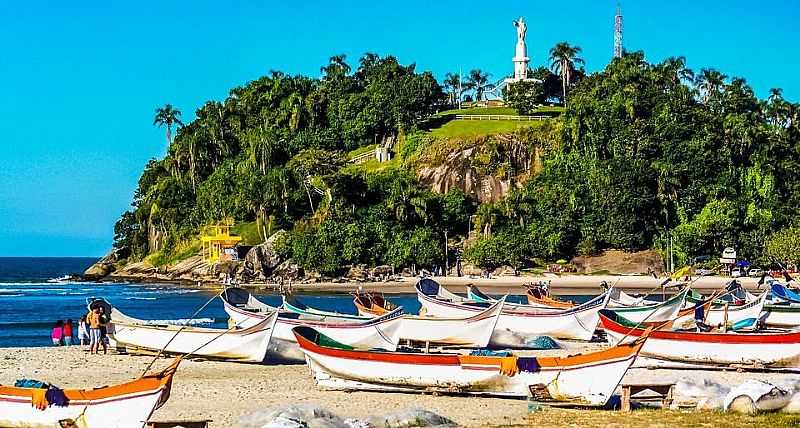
column 216, row 239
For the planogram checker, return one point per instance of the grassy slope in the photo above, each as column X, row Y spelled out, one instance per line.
column 476, row 128
column 248, row 231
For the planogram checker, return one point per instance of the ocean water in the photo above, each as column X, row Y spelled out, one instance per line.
column 30, row 305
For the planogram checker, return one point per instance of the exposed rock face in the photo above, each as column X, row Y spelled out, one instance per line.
column 263, row 258
column 620, row 262
column 457, row 172
column 104, row 266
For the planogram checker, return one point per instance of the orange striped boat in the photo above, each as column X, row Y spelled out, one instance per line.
column 586, row 379
column 127, row 405
column 372, row 304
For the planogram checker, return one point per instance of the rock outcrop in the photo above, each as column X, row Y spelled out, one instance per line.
column 105, row 266
column 262, row 259
column 457, row 172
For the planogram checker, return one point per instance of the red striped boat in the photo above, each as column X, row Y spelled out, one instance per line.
column 772, row 349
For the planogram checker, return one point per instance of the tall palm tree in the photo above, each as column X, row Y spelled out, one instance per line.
column 452, row 82
column 710, row 82
column 563, row 58
column 337, row 66
column 167, row 116
column 479, row 82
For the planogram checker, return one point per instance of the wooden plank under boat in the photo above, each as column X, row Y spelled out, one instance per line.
column 126, row 405
column 577, row 323
column 588, row 379
column 770, row 349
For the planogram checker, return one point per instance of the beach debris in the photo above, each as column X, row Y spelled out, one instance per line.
column 708, row 395
column 310, row 416
column 409, row 418
column 511, row 339
column 294, row 416
column 754, row 396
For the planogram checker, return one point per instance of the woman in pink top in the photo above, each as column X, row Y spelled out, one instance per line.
column 58, row 333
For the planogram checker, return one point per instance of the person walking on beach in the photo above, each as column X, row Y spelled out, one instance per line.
column 68, row 332
column 58, row 333
column 93, row 318
column 83, row 331
column 104, row 330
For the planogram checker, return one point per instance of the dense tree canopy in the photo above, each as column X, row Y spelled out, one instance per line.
column 644, row 153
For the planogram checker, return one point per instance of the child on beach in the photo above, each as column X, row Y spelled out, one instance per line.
column 93, row 319
column 58, row 333
column 83, row 331
column 68, row 332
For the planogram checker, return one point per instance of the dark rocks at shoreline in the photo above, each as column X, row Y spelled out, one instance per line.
column 105, row 266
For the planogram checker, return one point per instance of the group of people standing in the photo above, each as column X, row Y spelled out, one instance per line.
column 92, row 331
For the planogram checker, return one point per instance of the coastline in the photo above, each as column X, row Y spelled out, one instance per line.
column 560, row 285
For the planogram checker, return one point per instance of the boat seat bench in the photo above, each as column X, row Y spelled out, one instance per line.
column 652, row 392
column 203, row 423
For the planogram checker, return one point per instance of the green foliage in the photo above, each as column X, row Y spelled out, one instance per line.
column 784, row 245
column 249, row 232
column 525, row 96
column 641, row 152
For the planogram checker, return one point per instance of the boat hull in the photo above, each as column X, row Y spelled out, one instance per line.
column 375, row 333
column 245, row 345
column 758, row 349
column 126, row 405
column 586, row 379
column 475, row 331
column 577, row 323
column 659, row 312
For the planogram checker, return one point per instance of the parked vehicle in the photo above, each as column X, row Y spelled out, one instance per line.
column 755, row 272
column 736, row 273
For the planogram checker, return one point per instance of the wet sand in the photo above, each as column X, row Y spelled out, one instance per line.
column 224, row 392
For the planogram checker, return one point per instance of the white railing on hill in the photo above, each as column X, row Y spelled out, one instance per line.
column 498, row 117
column 363, row 157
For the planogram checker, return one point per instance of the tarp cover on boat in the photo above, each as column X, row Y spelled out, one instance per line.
column 428, row 287
column 784, row 293
column 236, row 296
column 95, row 302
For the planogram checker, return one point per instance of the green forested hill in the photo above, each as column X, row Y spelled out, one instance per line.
column 641, row 152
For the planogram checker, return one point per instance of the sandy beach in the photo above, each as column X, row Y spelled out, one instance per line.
column 561, row 285
column 224, row 392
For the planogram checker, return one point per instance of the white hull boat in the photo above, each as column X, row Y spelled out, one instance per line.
column 588, row 379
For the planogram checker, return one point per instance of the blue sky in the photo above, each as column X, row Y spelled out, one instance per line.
column 80, row 80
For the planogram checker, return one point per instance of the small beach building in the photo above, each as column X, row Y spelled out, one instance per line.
column 218, row 243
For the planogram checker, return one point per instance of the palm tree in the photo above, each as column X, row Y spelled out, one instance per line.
column 479, row 82
column 452, row 82
column 563, row 58
column 337, row 66
column 710, row 82
column 167, row 116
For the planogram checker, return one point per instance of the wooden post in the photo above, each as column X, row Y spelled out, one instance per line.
column 725, row 320
column 626, row 399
